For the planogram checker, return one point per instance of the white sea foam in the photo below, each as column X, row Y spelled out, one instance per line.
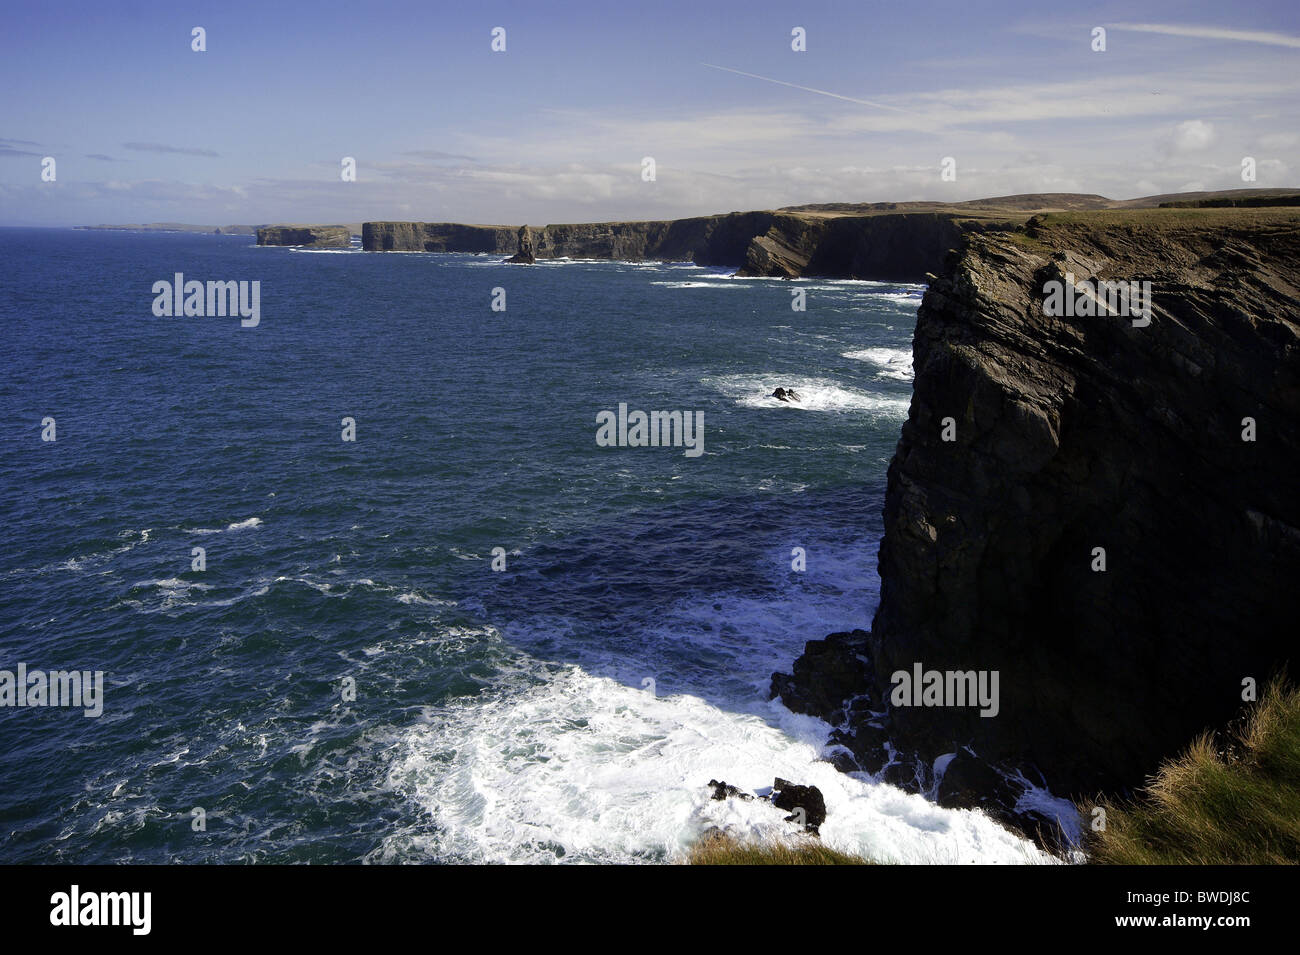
column 893, row 362
column 133, row 539
column 706, row 284
column 902, row 298
column 257, row 590
column 584, row 768
column 175, row 584
column 168, row 594
column 1036, row 798
column 415, row 597
column 815, row 394
column 236, row 526
column 909, row 288
column 320, row 586
column 587, row 761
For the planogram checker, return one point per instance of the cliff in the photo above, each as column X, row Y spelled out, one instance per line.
column 717, row 240
column 902, row 247
column 436, row 237
column 175, row 227
column 1071, row 434
column 316, row 236
column 885, row 241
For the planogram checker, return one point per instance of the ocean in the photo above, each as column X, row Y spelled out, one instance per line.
column 472, row 634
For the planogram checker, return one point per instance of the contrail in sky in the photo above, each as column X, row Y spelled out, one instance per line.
column 806, row 89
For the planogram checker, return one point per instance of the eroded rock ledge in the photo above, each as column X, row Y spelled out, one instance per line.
column 1073, row 434
column 314, row 236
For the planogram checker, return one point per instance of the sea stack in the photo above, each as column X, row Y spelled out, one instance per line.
column 525, row 254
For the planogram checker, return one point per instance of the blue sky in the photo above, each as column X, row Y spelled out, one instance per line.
column 554, row 129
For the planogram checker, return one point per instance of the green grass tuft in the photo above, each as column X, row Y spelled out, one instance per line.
column 1235, row 804
column 718, row 848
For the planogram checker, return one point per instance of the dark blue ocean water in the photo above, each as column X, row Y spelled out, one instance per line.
column 570, row 707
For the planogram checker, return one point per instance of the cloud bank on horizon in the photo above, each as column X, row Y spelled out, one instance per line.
column 741, row 106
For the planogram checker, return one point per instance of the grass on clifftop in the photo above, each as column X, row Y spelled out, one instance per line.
column 1251, row 219
column 1239, row 806
column 718, row 848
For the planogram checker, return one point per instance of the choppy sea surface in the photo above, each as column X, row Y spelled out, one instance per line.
column 570, row 707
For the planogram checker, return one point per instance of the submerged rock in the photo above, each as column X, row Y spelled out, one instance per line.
column 805, row 804
column 723, row 791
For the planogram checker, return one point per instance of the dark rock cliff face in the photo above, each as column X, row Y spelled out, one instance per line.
column 901, row 247
column 1076, row 433
column 436, row 237
column 317, row 236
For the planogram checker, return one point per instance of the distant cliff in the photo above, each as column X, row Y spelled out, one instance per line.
column 1069, row 434
column 886, row 241
column 901, row 247
column 436, row 237
column 317, row 236
column 174, row 227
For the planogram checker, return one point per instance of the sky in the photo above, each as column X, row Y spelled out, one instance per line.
column 557, row 127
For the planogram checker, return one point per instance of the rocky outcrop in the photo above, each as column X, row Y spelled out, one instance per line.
column 722, row 790
column 806, row 805
column 1102, row 511
column 316, row 236
column 827, row 676
column 525, row 254
column 786, row 249
column 903, row 247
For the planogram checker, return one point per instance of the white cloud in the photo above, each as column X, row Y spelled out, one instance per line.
column 1194, row 135
column 1213, row 33
column 1279, row 140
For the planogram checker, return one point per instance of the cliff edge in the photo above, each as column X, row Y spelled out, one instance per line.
column 1102, row 511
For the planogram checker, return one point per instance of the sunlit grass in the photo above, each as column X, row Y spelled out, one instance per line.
column 1238, row 804
column 718, row 848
